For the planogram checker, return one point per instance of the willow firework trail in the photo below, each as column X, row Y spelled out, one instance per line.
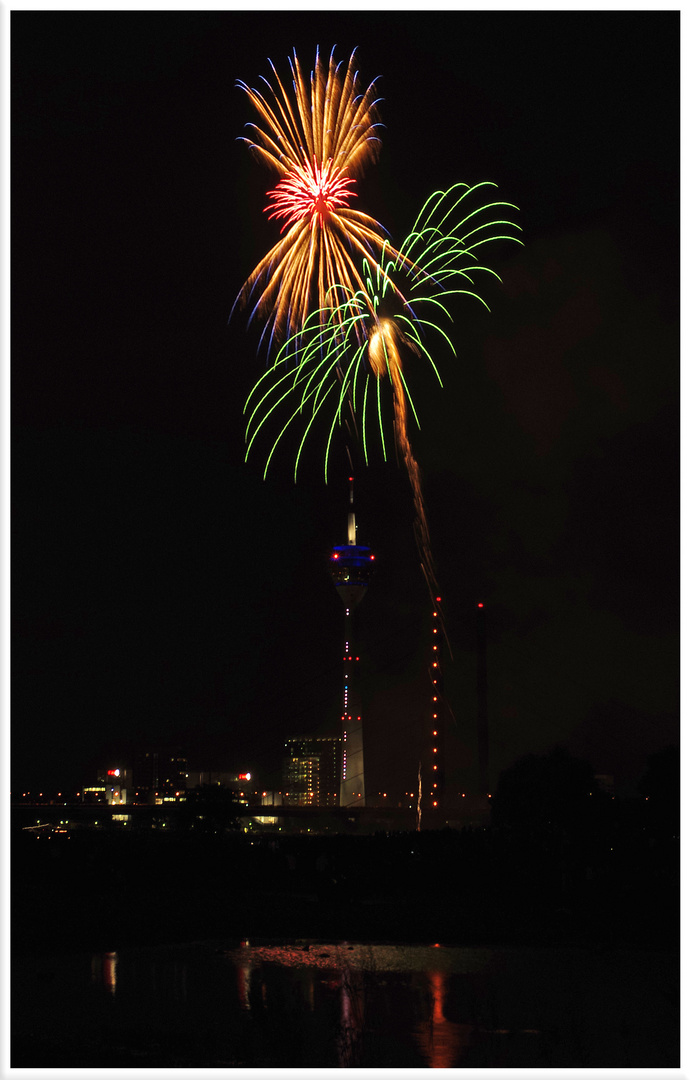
column 324, row 369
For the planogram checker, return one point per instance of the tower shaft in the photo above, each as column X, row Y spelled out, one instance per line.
column 351, row 570
column 352, row 791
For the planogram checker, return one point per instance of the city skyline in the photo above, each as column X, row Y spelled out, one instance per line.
column 162, row 591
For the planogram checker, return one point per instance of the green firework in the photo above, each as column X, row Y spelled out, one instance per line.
column 322, row 371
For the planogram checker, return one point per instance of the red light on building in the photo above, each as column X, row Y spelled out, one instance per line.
column 481, row 605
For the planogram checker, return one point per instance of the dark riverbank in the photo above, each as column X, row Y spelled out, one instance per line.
column 110, row 889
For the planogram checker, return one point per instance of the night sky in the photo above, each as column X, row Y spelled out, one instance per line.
column 163, row 593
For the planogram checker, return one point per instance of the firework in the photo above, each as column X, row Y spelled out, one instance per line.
column 337, row 362
column 317, row 140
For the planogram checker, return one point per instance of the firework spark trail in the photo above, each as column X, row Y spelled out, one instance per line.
column 384, row 358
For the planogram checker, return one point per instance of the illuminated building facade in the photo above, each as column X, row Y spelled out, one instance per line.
column 117, row 783
column 352, row 566
column 311, row 771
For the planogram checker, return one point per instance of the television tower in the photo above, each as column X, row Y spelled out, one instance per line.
column 351, row 569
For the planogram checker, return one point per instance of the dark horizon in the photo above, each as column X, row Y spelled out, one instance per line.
column 162, row 592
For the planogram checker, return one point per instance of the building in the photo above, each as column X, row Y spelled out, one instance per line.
column 312, row 770
column 117, row 782
column 352, row 566
column 233, row 781
column 161, row 773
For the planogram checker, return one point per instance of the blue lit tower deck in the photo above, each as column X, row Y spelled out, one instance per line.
column 352, row 566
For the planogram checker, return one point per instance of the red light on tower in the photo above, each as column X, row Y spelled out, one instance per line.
column 481, row 605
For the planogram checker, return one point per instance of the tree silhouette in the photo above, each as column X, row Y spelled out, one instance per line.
column 660, row 786
column 554, row 789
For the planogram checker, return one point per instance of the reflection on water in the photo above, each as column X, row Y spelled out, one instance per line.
column 355, row 986
column 440, row 1040
column 315, row 1005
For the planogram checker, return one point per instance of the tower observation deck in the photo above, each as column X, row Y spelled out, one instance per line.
column 352, row 565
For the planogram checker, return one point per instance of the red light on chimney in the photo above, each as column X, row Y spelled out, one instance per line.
column 481, row 605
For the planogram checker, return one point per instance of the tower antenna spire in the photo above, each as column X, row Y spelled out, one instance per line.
column 352, row 527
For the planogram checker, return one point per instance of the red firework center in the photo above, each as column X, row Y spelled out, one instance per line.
column 310, row 191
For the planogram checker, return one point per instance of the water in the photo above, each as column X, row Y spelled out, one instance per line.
column 343, row 1005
